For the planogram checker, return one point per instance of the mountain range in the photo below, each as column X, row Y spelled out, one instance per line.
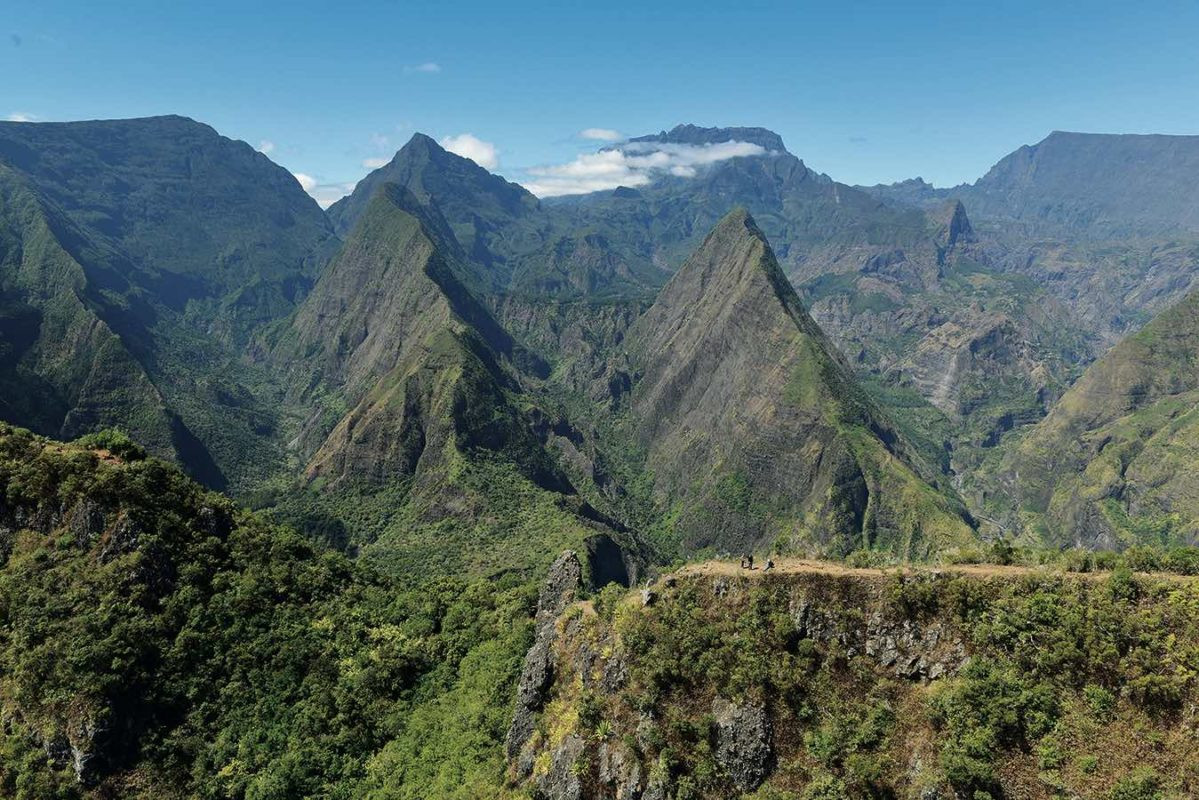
column 430, row 392
column 440, row 315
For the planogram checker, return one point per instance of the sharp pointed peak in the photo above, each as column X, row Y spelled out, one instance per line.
column 424, row 140
column 737, row 253
column 737, row 222
column 954, row 224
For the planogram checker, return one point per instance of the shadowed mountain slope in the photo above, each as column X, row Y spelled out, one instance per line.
column 1114, row 462
column 184, row 243
column 215, row 228
column 417, row 431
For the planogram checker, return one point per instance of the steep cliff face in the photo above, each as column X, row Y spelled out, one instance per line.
column 988, row 349
column 755, row 428
column 64, row 370
column 1105, row 223
column 151, row 250
column 815, row 681
column 1100, row 185
column 414, row 415
column 206, row 225
column 1112, row 464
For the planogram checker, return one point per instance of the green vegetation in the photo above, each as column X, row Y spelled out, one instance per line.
column 425, row 414
column 157, row 642
column 1112, row 464
column 1072, row 685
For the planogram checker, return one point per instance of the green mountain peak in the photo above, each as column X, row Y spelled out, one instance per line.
column 756, row 427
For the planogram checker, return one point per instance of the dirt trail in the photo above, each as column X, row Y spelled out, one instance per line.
column 799, row 566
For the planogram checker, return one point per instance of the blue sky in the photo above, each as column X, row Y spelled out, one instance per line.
column 867, row 92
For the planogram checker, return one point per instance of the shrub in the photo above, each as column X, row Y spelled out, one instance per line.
column 115, row 442
column 1101, row 701
column 1142, row 784
column 1002, row 552
column 1183, row 560
column 824, row 787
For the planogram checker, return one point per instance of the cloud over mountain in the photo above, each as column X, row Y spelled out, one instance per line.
column 469, row 146
column 632, row 164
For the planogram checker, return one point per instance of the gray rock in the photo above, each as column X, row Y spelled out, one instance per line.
column 86, row 522
column 656, row 789
column 620, row 771
column 615, row 673
column 122, row 539
column 563, row 581
column 561, row 782
column 743, row 747
column 561, row 584
column 646, row 725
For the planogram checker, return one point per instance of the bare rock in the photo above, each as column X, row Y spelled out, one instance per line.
column 86, row 522
column 563, row 581
column 619, row 771
column 561, row 782
column 743, row 743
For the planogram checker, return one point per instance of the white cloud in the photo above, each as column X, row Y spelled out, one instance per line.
column 307, row 182
column 374, row 163
column 601, row 134
column 482, row 153
column 325, row 194
column 428, row 68
column 266, row 146
column 21, row 116
column 633, row 164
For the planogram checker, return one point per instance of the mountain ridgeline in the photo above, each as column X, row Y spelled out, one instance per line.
column 440, row 341
column 443, row 388
column 139, row 257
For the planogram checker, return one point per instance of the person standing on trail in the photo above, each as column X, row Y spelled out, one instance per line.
column 749, row 560
column 769, row 564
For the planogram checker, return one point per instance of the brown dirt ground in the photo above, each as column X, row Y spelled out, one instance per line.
column 799, row 566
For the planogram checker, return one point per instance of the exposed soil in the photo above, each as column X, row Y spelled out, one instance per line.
column 797, row 566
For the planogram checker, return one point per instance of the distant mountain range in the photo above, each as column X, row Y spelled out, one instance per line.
column 393, row 372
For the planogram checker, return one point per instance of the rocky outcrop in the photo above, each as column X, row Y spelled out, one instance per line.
column 621, row 749
column 619, row 772
column 561, row 781
column 742, row 742
column 953, row 225
column 910, row 649
column 564, row 580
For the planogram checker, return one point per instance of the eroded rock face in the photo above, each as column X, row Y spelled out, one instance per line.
column 619, row 771
column 583, row 661
column 742, row 742
column 564, row 579
column 561, row 782
column 912, row 650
